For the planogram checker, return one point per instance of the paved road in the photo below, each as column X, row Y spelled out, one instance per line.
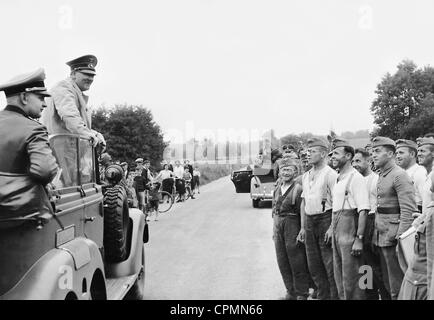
column 214, row 247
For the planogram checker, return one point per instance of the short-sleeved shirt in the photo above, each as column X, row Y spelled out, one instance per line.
column 178, row 171
column 358, row 196
column 371, row 183
column 318, row 186
column 417, row 174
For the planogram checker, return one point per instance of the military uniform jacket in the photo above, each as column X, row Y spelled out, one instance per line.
column 395, row 205
column 26, row 162
column 67, row 110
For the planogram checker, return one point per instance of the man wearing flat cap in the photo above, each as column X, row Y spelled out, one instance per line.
column 316, row 218
column 415, row 283
column 67, row 110
column 350, row 209
column 395, row 208
column 406, row 155
column 27, row 163
column 291, row 255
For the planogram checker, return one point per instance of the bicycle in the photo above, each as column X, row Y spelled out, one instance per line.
column 165, row 200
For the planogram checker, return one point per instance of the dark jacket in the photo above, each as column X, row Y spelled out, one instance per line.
column 26, row 162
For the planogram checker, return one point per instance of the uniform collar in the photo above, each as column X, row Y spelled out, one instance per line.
column 387, row 168
column 16, row 109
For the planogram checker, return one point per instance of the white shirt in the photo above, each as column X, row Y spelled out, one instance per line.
column 284, row 187
column 316, row 186
column 426, row 192
column 358, row 196
column 417, row 174
column 196, row 173
column 371, row 183
column 178, row 171
column 165, row 174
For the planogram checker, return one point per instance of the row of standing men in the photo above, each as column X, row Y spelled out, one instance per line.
column 339, row 223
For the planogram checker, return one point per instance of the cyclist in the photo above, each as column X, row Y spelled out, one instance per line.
column 167, row 179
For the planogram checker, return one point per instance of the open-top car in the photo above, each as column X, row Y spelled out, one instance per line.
column 83, row 242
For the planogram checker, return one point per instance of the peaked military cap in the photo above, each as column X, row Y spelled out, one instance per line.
column 337, row 143
column 28, row 82
column 383, row 141
column 317, row 142
column 406, row 143
column 424, row 141
column 84, row 64
column 286, row 162
column 139, row 160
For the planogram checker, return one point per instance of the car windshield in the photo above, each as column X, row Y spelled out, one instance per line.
column 75, row 159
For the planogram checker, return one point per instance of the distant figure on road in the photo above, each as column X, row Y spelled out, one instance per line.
column 196, row 178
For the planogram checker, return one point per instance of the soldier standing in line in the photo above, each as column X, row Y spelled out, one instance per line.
column 316, row 218
column 291, row 255
column 406, row 154
column 395, row 207
column 415, row 284
column 350, row 209
column 362, row 162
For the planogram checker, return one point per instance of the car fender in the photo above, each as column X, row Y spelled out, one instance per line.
column 60, row 271
column 133, row 263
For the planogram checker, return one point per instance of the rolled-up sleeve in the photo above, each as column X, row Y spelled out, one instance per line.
column 407, row 203
column 43, row 166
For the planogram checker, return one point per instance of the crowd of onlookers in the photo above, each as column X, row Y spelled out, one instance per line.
column 144, row 184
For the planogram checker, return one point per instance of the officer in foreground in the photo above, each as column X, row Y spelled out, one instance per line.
column 27, row 163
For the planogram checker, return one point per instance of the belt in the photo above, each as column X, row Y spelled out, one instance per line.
column 320, row 215
column 287, row 214
column 388, row 210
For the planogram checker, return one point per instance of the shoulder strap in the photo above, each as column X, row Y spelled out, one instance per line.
column 347, row 189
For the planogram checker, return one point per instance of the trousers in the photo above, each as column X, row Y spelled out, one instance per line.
column 346, row 266
column 320, row 255
column 391, row 270
column 291, row 255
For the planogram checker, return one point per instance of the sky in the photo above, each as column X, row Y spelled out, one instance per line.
column 219, row 66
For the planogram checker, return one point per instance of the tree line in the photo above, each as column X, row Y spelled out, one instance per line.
column 403, row 108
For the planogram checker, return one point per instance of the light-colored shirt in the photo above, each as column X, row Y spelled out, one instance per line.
column 371, row 183
column 178, row 171
column 165, row 174
column 196, row 173
column 358, row 196
column 284, row 187
column 426, row 192
column 417, row 174
column 318, row 185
